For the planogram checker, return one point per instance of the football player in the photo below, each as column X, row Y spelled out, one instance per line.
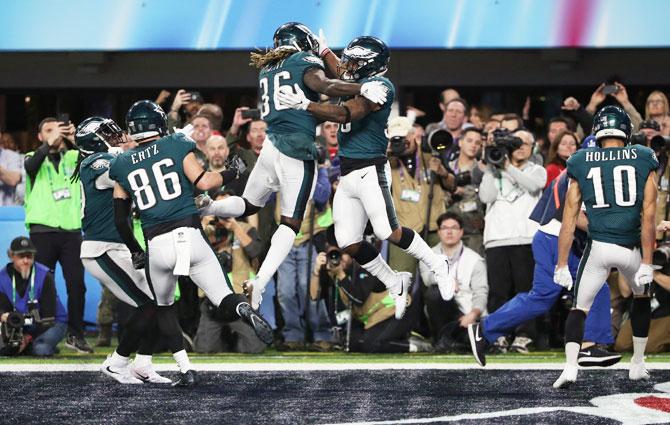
column 617, row 184
column 159, row 176
column 104, row 255
column 364, row 189
column 287, row 161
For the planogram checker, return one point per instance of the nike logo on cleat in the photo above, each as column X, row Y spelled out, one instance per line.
column 111, row 371
column 363, row 176
column 585, row 353
column 477, row 337
column 142, row 377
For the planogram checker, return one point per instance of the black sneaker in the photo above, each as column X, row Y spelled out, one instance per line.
column 597, row 355
column 477, row 343
column 186, row 379
column 79, row 344
column 261, row 327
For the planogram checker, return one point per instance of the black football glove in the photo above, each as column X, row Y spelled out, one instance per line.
column 139, row 259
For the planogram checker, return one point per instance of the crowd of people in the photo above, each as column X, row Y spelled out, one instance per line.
column 476, row 186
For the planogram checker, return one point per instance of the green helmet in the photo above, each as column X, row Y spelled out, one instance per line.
column 364, row 57
column 612, row 121
column 146, row 119
column 297, row 35
column 97, row 134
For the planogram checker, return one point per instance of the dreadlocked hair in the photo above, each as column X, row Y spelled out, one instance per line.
column 260, row 59
column 77, row 168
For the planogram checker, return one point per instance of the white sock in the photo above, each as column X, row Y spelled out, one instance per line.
column 280, row 245
column 420, row 250
column 639, row 345
column 381, row 270
column 118, row 360
column 232, row 206
column 182, row 361
column 571, row 353
column 142, row 360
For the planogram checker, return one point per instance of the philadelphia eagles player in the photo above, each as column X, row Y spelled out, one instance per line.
column 364, row 189
column 104, row 255
column 160, row 176
column 617, row 184
column 287, row 162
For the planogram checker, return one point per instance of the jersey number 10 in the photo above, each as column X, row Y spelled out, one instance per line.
column 618, row 172
column 140, row 183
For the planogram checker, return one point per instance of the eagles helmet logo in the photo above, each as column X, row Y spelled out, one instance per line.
column 99, row 164
column 360, row 52
column 89, row 128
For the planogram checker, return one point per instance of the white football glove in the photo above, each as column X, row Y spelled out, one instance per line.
column 322, row 49
column 643, row 276
column 204, row 204
column 294, row 100
column 375, row 91
column 563, row 277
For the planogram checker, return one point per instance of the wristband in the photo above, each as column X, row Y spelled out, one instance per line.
column 195, row 183
column 325, row 52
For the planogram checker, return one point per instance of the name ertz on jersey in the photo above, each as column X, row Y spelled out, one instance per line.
column 144, row 154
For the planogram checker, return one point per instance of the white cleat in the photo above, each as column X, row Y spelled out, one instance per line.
column 445, row 283
column 400, row 293
column 638, row 371
column 253, row 292
column 567, row 378
column 121, row 374
column 148, row 374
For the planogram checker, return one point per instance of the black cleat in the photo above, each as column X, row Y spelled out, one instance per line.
column 597, row 355
column 186, row 379
column 477, row 343
column 260, row 326
column 79, row 344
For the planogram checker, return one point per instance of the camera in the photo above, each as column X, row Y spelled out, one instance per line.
column 658, row 143
column 321, row 154
column 12, row 330
column 661, row 256
column 463, row 178
column 503, row 146
column 226, row 261
column 334, row 257
column 254, row 114
column 397, row 146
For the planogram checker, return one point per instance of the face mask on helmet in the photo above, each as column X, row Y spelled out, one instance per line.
column 364, row 57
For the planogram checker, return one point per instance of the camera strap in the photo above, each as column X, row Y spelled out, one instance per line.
column 31, row 290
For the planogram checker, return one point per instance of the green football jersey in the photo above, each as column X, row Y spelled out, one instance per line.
column 612, row 182
column 97, row 205
column 366, row 138
column 153, row 174
column 291, row 131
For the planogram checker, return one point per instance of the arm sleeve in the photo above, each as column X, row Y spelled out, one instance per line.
column 123, row 224
column 488, row 192
column 532, row 179
column 253, row 250
column 33, row 162
column 635, row 117
column 322, row 189
column 48, row 297
column 480, row 286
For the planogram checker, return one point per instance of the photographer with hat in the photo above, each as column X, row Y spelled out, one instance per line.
column 32, row 317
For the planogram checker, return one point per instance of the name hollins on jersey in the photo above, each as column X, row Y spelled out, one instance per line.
column 144, row 154
column 610, row 155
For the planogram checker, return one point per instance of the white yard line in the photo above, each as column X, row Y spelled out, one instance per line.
column 283, row 367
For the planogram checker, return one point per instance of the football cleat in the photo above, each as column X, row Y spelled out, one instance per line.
column 477, row 343
column 186, row 379
column 445, row 283
column 120, row 374
column 597, row 356
column 638, row 371
column 567, row 378
column 260, row 326
column 400, row 293
column 521, row 344
column 148, row 374
column 253, row 292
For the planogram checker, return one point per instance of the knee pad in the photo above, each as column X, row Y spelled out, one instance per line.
column 640, row 317
column 296, row 229
column 250, row 209
column 227, row 310
column 366, row 253
column 406, row 238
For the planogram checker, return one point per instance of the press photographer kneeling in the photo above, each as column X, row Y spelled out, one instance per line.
column 32, row 317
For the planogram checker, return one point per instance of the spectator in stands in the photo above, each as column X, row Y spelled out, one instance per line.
column 238, row 248
column 554, row 126
column 510, row 192
column 656, row 107
column 53, row 208
column 449, row 320
column 11, row 173
column 184, row 107
column 576, row 112
column 490, row 125
column 214, row 114
column 511, row 122
column 246, row 136
column 475, row 117
column 202, row 131
column 410, row 189
column 27, row 287
column 465, row 188
column 621, row 96
column 564, row 144
column 329, row 135
column 216, row 150
column 455, row 112
column 293, row 275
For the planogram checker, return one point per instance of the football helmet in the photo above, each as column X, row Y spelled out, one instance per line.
column 364, row 57
column 97, row 134
column 612, row 121
column 297, row 35
column 146, row 119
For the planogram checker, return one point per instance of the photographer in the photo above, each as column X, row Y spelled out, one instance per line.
column 184, row 107
column 33, row 320
column 465, row 188
column 238, row 247
column 410, row 188
column 510, row 188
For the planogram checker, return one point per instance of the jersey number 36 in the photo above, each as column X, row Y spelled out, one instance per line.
column 140, row 183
